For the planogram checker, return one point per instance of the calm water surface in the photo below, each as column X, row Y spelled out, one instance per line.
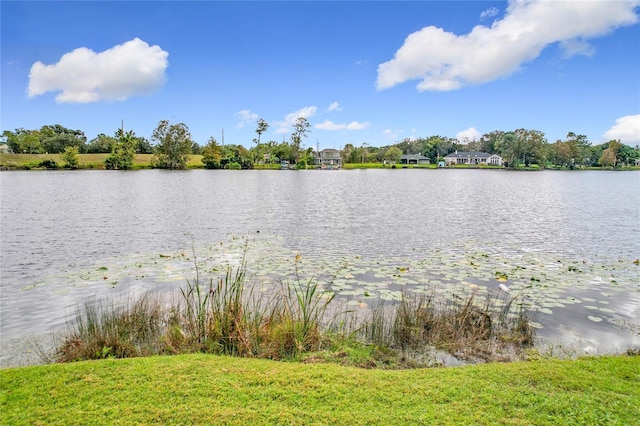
column 58, row 225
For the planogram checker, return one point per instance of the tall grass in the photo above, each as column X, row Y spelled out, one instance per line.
column 228, row 315
column 121, row 330
column 469, row 328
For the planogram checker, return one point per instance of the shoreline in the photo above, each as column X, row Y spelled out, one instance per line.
column 16, row 162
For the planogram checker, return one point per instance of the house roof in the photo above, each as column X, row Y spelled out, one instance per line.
column 472, row 154
column 414, row 157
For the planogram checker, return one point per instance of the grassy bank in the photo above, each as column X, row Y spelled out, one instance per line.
column 86, row 161
column 144, row 161
column 207, row 389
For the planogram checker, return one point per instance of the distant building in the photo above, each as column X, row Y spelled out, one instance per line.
column 329, row 159
column 4, row 148
column 473, row 158
column 414, row 159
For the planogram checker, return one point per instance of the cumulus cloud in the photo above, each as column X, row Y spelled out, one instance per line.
column 626, row 129
column 489, row 13
column 245, row 117
column 82, row 75
column 286, row 125
column 335, row 106
column 330, row 125
column 468, row 135
column 444, row 61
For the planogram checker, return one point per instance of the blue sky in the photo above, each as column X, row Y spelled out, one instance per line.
column 374, row 72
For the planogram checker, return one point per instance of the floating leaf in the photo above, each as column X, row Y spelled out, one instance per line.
column 594, row 318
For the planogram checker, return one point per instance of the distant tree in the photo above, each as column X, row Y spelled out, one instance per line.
column 300, row 130
column 23, row 141
column 347, row 153
column 393, row 154
column 212, row 154
column 262, row 127
column 31, row 142
column 627, row 154
column 101, row 144
column 283, row 152
column 609, row 157
column 11, row 139
column 306, row 158
column 235, row 157
column 143, row 146
column 579, row 146
column 174, row 145
column 531, row 146
column 70, row 157
column 507, row 147
column 487, row 142
column 55, row 138
column 521, row 146
column 196, row 149
column 123, row 151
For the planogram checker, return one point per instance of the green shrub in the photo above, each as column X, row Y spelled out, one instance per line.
column 48, row 164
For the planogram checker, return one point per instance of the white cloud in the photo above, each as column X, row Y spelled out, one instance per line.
column 489, row 13
column 335, row 106
column 576, row 47
column 445, row 61
column 82, row 75
column 245, row 117
column 290, row 119
column 330, row 125
column 390, row 134
column 354, row 125
column 626, row 129
column 468, row 135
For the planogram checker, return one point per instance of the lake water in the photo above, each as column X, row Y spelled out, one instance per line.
column 566, row 240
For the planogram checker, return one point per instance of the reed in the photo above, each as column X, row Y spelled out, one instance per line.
column 471, row 328
column 119, row 330
column 297, row 321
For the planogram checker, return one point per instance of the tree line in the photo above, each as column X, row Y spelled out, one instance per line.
column 172, row 144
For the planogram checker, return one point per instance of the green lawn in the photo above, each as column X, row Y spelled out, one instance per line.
column 206, row 389
column 87, row 161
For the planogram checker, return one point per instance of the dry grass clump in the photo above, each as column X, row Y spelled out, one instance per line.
column 467, row 328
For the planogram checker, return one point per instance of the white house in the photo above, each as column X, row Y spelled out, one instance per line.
column 473, row 158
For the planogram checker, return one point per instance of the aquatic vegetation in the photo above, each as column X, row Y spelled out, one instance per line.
column 280, row 285
column 234, row 316
column 104, row 330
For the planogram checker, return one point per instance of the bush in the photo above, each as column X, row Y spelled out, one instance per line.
column 48, row 164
